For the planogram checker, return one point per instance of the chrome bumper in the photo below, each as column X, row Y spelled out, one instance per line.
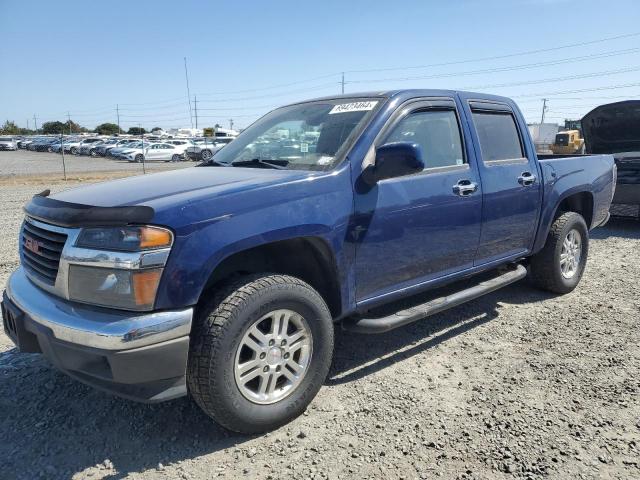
column 96, row 327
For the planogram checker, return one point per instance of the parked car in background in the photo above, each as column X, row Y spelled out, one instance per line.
column 226, row 280
column 104, row 148
column 204, row 149
column 8, row 143
column 115, row 152
column 72, row 146
column 23, row 142
column 42, row 144
column 86, row 145
column 57, row 146
column 155, row 152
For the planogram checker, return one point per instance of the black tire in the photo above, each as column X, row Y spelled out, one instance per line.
column 206, row 155
column 139, row 157
column 218, row 331
column 73, row 151
column 175, row 158
column 545, row 271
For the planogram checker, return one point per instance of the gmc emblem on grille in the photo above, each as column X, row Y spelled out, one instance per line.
column 31, row 244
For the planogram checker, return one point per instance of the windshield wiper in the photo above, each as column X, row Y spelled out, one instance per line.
column 212, row 163
column 279, row 164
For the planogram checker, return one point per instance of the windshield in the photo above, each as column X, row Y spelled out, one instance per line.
column 308, row 136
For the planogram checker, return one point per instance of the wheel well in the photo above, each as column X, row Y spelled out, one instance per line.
column 307, row 258
column 581, row 203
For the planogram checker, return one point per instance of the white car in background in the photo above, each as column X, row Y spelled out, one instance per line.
column 205, row 149
column 8, row 143
column 155, row 152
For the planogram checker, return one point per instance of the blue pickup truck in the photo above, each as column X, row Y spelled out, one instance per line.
column 226, row 280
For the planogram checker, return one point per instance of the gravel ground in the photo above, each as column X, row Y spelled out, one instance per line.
column 517, row 384
column 24, row 162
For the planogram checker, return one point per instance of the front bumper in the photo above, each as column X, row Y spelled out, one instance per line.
column 138, row 356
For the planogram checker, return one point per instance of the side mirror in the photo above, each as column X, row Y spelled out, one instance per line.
column 395, row 160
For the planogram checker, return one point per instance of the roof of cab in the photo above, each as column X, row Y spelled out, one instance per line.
column 407, row 94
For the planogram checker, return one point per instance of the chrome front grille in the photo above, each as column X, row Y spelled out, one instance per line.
column 40, row 251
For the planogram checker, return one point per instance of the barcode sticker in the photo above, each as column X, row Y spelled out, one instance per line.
column 353, row 107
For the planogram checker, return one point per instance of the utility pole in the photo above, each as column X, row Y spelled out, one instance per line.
column 195, row 108
column 231, row 124
column 69, row 119
column 342, row 83
column 118, row 115
column 27, row 124
column 35, row 122
column 186, row 74
column 544, row 109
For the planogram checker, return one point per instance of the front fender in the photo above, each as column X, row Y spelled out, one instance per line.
column 319, row 209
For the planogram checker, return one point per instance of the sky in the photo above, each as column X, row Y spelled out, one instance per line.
column 245, row 58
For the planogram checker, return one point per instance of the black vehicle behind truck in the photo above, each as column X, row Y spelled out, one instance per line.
column 615, row 128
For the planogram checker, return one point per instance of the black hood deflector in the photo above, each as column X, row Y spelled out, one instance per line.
column 68, row 214
column 613, row 128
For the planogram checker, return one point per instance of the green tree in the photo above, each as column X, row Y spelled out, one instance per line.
column 136, row 131
column 54, row 127
column 107, row 129
column 9, row 128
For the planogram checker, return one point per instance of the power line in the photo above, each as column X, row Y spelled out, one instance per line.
column 498, row 57
column 503, row 69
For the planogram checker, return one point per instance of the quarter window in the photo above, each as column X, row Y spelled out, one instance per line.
column 498, row 136
column 437, row 132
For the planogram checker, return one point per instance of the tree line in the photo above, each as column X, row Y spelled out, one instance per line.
column 69, row 128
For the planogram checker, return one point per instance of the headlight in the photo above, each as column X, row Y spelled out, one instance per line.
column 125, row 269
column 109, row 287
column 127, row 239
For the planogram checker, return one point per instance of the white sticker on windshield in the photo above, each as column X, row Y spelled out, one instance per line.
column 325, row 160
column 353, row 107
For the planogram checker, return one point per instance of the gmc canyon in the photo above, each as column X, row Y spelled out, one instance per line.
column 225, row 280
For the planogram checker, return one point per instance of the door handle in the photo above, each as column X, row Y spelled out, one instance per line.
column 526, row 179
column 465, row 188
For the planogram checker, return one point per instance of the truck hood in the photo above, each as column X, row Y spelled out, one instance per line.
column 177, row 187
column 613, row 128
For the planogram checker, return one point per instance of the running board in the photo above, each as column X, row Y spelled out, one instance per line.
column 413, row 314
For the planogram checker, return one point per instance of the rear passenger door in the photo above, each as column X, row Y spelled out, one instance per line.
column 510, row 182
column 421, row 227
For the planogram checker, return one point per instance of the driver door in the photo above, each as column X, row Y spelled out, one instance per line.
column 414, row 229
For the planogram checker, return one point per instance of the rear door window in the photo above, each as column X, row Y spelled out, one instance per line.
column 498, row 136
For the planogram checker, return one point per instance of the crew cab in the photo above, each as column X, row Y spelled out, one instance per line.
column 226, row 280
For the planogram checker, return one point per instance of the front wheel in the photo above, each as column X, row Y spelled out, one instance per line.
column 260, row 352
column 74, row 151
column 139, row 157
column 559, row 266
column 206, row 155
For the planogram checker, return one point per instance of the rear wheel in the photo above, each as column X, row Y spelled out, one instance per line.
column 206, row 155
column 175, row 158
column 74, row 151
column 260, row 352
column 559, row 266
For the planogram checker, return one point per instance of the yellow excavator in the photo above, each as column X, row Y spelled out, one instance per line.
column 568, row 142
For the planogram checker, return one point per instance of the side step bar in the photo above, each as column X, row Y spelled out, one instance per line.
column 410, row 315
